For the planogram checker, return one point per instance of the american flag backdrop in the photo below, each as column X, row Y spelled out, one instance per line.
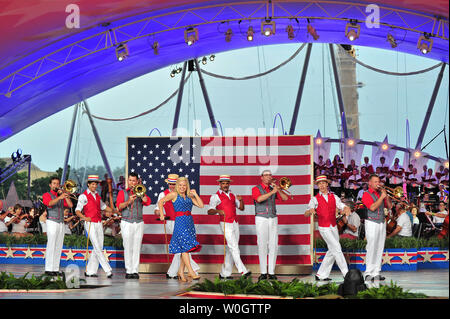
column 202, row 160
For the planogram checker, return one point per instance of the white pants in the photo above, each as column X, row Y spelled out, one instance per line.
column 232, row 253
column 132, row 234
column 375, row 236
column 175, row 265
column 96, row 256
column 267, row 240
column 334, row 253
column 55, row 240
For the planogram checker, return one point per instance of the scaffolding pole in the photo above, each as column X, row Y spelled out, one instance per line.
column 99, row 143
column 300, row 90
column 179, row 99
column 69, row 144
column 207, row 102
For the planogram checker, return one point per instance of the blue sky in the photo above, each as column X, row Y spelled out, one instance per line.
column 385, row 103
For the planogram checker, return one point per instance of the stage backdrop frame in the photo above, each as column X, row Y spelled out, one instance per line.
column 244, row 158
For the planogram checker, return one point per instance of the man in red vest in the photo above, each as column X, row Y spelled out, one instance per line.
column 225, row 203
column 324, row 205
column 172, row 272
column 91, row 204
column 131, row 207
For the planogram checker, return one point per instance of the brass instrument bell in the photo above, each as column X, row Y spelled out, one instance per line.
column 139, row 190
column 285, row 183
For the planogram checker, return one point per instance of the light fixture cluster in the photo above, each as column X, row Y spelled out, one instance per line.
column 204, row 60
column 122, row 51
column 424, row 44
column 175, row 71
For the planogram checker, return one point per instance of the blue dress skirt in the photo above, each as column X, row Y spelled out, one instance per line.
column 183, row 237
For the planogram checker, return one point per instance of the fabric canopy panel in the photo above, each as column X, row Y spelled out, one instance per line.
column 47, row 66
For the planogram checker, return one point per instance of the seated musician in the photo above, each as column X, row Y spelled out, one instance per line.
column 364, row 175
column 337, row 162
column 320, row 164
column 429, row 182
column 365, row 187
column 438, row 217
column 3, row 227
column 353, row 184
column 413, row 183
column 442, row 195
column 439, row 173
column 353, row 164
column 381, row 175
column 335, row 185
column 444, row 178
column 70, row 221
column 384, row 168
column 367, row 165
column 396, row 174
column 19, row 222
column 352, row 223
column 404, row 225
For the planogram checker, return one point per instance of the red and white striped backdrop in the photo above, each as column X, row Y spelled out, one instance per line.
column 286, row 156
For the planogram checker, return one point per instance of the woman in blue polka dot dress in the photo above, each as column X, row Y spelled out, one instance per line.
column 184, row 238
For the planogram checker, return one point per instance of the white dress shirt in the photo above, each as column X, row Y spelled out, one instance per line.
column 82, row 201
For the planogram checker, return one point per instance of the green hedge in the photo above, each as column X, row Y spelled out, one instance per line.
column 395, row 242
column 8, row 281
column 74, row 241
column 297, row 289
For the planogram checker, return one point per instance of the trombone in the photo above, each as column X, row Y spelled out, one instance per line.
column 396, row 194
column 139, row 190
column 284, row 183
column 69, row 187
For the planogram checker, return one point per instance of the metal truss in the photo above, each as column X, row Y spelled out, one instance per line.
column 156, row 24
column 14, row 167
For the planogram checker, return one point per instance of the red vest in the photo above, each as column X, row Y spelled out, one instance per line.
column 326, row 212
column 228, row 205
column 168, row 207
column 92, row 208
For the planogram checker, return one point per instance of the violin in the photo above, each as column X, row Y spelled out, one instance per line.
column 341, row 225
column 391, row 223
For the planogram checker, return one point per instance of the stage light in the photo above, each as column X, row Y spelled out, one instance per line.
column 417, row 154
column 122, row 51
column 424, row 43
column 228, row 35
column 155, row 47
column 204, row 60
column 392, row 41
column 318, row 141
column 191, row 36
column 178, row 70
column 250, row 34
column 446, row 164
column 352, row 30
column 14, row 157
column 267, row 27
column 290, row 32
column 312, row 31
column 350, row 142
column 19, row 152
column 172, row 74
column 384, row 146
column 212, row 57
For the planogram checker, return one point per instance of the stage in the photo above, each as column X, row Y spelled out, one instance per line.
column 434, row 283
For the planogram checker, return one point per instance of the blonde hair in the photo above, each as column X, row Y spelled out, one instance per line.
column 188, row 189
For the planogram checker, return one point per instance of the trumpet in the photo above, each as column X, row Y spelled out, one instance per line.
column 139, row 190
column 394, row 193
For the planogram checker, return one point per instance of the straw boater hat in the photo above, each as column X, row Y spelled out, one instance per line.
column 322, row 178
column 93, row 178
column 171, row 178
column 224, row 178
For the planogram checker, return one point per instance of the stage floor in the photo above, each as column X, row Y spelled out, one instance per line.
column 433, row 283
